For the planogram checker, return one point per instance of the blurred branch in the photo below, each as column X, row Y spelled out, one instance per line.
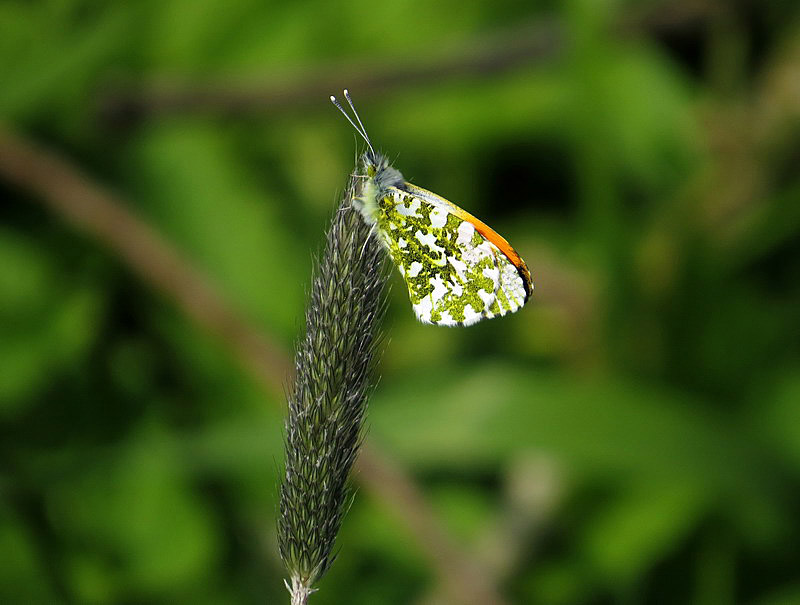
column 524, row 45
column 668, row 16
column 464, row 579
column 534, row 485
column 73, row 196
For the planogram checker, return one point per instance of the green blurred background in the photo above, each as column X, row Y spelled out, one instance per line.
column 631, row 436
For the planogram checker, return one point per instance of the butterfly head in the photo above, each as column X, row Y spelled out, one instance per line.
column 378, row 169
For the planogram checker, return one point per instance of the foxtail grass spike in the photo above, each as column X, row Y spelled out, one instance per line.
column 334, row 370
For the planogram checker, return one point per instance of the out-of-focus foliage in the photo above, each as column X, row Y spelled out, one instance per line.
column 632, row 436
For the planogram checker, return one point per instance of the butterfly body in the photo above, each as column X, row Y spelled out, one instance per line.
column 457, row 269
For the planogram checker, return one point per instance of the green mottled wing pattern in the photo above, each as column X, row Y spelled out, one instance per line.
column 455, row 276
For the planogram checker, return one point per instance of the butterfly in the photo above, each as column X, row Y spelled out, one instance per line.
column 458, row 269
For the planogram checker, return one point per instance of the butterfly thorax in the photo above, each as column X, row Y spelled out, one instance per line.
column 380, row 178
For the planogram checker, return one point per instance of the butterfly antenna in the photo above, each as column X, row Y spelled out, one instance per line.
column 358, row 127
column 355, row 113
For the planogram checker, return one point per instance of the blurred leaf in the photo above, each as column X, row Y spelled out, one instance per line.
column 640, row 528
column 45, row 323
column 465, row 509
column 134, row 519
column 375, row 553
column 476, row 417
column 21, row 572
column 778, row 418
column 555, row 582
column 644, row 106
column 789, row 595
column 194, row 186
column 52, row 51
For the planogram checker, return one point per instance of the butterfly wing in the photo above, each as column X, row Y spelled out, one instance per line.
column 458, row 270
